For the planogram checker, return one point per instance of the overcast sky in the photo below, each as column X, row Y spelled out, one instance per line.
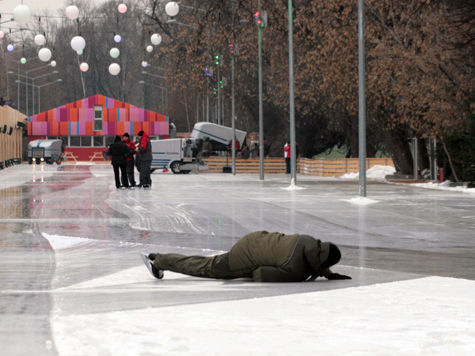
column 36, row 5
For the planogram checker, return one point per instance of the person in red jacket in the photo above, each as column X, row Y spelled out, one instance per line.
column 287, row 155
column 130, row 159
column 144, row 156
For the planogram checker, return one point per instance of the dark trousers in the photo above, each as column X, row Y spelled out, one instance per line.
column 287, row 164
column 296, row 269
column 130, row 172
column 145, row 167
column 123, row 175
column 198, row 266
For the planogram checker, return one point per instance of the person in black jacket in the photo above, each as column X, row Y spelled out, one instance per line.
column 119, row 151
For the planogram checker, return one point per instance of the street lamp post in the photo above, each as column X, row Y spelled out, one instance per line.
column 233, row 113
column 293, row 154
column 362, row 101
column 39, row 91
column 32, row 85
column 164, row 92
column 39, row 88
column 261, row 110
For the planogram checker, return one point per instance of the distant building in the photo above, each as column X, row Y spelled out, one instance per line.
column 89, row 125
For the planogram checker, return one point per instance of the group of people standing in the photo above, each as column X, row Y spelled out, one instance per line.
column 126, row 155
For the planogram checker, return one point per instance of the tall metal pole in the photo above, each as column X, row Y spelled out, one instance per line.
column 293, row 155
column 18, row 88
column 33, row 95
column 362, row 101
column 233, row 115
column 261, row 111
column 219, row 94
column 207, row 99
column 26, row 91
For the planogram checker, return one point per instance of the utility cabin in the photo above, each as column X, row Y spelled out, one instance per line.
column 12, row 123
column 87, row 126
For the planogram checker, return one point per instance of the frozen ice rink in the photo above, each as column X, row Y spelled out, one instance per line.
column 72, row 281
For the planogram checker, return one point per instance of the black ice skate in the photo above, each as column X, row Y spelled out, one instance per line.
column 156, row 272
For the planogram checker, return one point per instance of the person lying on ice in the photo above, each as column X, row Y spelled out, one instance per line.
column 260, row 255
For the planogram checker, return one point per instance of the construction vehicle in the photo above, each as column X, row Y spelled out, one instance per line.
column 183, row 155
column 49, row 151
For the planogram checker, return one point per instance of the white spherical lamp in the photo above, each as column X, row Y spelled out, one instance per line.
column 114, row 69
column 53, row 64
column 122, row 8
column 23, row 60
column 40, row 40
column 117, row 38
column 149, row 48
column 156, row 39
column 2, row 34
column 72, row 12
column 172, row 8
column 78, row 43
column 114, row 52
column 10, row 48
column 144, row 64
column 84, row 67
column 44, row 54
column 22, row 14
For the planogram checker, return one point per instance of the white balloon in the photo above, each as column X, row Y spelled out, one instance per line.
column 10, row 47
column 149, row 48
column 78, row 43
column 117, row 38
column 122, row 8
column 2, row 34
column 72, row 12
column 53, row 64
column 114, row 69
column 114, row 52
column 156, row 39
column 22, row 14
column 144, row 64
column 40, row 40
column 44, row 54
column 84, row 67
column 172, row 8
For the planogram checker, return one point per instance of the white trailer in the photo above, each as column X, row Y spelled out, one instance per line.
column 49, row 151
column 176, row 154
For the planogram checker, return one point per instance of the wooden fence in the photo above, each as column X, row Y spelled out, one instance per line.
column 307, row 166
column 10, row 135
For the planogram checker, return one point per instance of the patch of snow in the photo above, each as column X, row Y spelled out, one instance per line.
column 293, row 186
column 376, row 173
column 445, row 186
column 361, row 201
column 433, row 315
column 59, row 242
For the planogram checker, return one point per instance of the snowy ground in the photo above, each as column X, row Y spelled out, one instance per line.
column 72, row 282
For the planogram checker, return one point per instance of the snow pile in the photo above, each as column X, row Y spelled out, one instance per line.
column 445, row 186
column 293, row 186
column 361, row 201
column 424, row 316
column 59, row 242
column 375, row 173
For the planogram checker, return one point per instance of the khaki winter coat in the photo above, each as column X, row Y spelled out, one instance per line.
column 262, row 248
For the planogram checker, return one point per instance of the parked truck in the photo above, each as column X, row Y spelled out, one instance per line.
column 183, row 155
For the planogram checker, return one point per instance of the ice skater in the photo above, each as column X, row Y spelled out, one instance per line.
column 260, row 255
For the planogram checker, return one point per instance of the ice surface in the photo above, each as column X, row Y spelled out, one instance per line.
column 72, row 280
